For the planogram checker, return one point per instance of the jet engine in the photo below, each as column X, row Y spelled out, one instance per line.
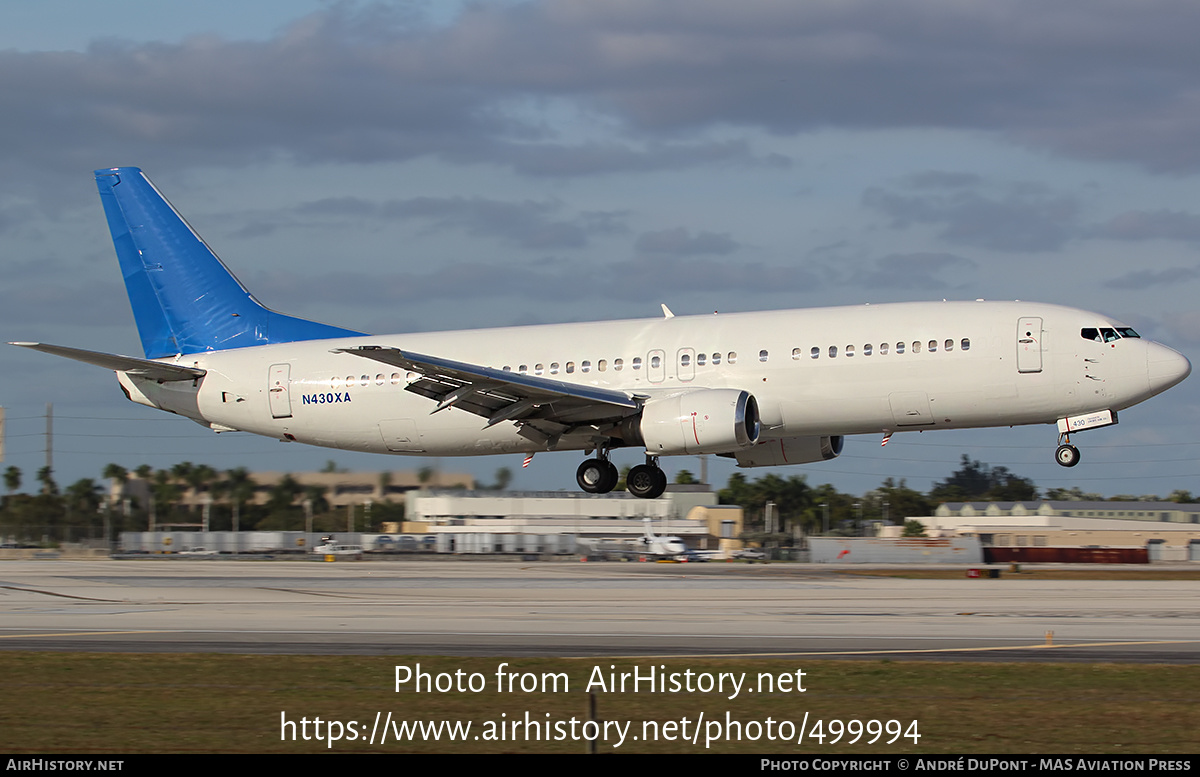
column 701, row 421
column 789, row 450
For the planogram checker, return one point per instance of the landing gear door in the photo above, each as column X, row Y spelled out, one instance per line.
column 279, row 391
column 1029, row 344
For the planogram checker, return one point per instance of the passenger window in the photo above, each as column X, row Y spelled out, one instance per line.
column 762, row 356
column 585, row 366
column 570, row 367
column 379, row 379
column 411, row 377
column 655, row 362
column 732, row 357
column 553, row 368
column 849, row 351
column 815, row 352
column 602, row 365
column 349, row 381
column 538, row 369
column 867, row 349
column 916, row 348
column 524, row 368
column 949, row 345
column 700, row 360
column 899, row 347
column 396, row 377
column 883, row 349
column 832, row 351
column 795, row 353
column 933, row 346
column 618, row 364
column 637, row 363
column 365, row 379
column 685, row 360
column 966, row 344
column 716, row 359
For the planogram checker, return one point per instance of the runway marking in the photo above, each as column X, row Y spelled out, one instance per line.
column 1040, row 646
column 87, row 634
column 55, row 593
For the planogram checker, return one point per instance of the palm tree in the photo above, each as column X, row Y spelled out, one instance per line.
column 118, row 476
column 45, row 476
column 82, row 498
column 200, row 479
column 12, row 479
column 241, row 488
column 165, row 492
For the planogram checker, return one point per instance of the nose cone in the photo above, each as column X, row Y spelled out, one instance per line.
column 1165, row 367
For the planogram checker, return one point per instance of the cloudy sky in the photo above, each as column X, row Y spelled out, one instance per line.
column 410, row 166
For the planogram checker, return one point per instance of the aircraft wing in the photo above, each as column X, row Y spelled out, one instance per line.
column 143, row 368
column 551, row 406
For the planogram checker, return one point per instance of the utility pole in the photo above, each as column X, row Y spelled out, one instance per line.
column 50, row 437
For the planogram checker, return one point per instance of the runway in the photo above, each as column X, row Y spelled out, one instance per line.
column 504, row 608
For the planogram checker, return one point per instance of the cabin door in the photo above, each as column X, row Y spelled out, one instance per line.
column 279, row 391
column 1029, row 344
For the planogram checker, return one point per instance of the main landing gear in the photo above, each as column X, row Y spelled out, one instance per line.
column 646, row 481
column 599, row 476
column 1067, row 454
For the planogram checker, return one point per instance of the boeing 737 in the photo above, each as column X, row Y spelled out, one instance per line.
column 767, row 388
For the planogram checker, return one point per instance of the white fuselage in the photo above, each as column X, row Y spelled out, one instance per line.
column 825, row 371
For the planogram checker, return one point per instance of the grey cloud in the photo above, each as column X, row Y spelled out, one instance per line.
column 560, row 280
column 681, row 242
column 363, row 83
column 1144, row 279
column 915, row 271
column 1017, row 221
column 56, row 299
column 1183, row 327
column 557, row 160
column 941, row 179
column 526, row 223
column 646, row 278
column 1151, row 225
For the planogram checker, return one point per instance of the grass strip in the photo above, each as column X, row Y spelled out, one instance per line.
column 187, row 703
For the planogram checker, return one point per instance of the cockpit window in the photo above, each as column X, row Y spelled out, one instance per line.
column 1106, row 334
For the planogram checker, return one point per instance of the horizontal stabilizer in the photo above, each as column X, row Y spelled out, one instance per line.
column 142, row 368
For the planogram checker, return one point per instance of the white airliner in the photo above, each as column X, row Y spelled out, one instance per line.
column 659, row 544
column 649, row 544
column 767, row 388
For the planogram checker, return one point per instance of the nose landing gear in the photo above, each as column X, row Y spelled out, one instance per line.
column 1067, row 454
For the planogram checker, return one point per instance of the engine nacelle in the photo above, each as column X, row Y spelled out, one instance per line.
column 790, row 450
column 701, row 421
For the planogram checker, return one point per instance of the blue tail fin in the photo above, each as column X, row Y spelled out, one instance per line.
column 184, row 299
